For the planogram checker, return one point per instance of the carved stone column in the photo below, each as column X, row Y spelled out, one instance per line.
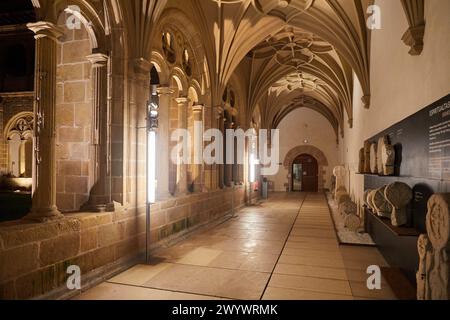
column 415, row 14
column 163, row 156
column 183, row 104
column 100, row 197
column 44, row 156
column 198, row 154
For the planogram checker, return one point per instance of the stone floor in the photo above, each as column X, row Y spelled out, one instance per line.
column 284, row 249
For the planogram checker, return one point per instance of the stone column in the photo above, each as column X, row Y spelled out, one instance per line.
column 163, row 157
column 100, row 197
column 220, row 167
column 44, row 155
column 197, row 171
column 183, row 104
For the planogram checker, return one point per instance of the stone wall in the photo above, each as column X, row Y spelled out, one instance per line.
column 73, row 118
column 34, row 257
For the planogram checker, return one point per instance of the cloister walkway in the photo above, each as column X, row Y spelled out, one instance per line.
column 285, row 248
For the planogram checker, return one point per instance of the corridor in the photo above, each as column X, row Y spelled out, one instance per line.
column 285, row 248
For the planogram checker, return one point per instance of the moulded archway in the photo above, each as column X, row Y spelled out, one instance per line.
column 315, row 152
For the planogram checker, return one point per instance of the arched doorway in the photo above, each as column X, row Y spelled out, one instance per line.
column 319, row 157
column 305, row 174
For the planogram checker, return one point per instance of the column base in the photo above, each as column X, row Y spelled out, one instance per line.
column 44, row 215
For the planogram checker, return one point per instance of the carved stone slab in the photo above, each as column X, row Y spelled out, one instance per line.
column 382, row 206
column 348, row 207
column 373, row 159
column 361, row 161
column 339, row 172
column 352, row 222
column 434, row 266
column 367, row 157
column 381, row 141
column 387, row 154
column 399, row 195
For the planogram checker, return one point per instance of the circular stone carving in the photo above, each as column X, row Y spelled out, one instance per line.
column 398, row 194
column 348, row 207
column 438, row 220
column 352, row 222
column 342, row 198
column 382, row 206
column 373, row 159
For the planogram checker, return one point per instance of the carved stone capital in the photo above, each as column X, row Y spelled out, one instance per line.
column 182, row 101
column 165, row 90
column 142, row 65
column 197, row 108
column 413, row 38
column 98, row 59
column 415, row 14
column 366, row 101
column 44, row 29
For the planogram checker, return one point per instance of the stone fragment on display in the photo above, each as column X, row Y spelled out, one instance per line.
column 399, row 195
column 382, row 206
column 433, row 248
column 367, row 157
column 387, row 159
column 361, row 161
column 373, row 159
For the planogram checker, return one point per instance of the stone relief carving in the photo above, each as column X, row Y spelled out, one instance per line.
column 434, row 266
column 339, row 172
column 399, row 195
column 382, row 207
column 361, row 161
column 425, row 251
column 367, row 157
column 373, row 158
column 387, row 158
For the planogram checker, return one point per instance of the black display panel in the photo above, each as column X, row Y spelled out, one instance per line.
column 422, row 145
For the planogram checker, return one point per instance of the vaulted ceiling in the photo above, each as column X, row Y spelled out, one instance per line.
column 299, row 53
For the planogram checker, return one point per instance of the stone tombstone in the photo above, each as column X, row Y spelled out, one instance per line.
column 381, row 141
column 339, row 172
column 424, row 249
column 382, row 207
column 348, row 207
column 438, row 229
column 387, row 154
column 352, row 222
column 361, row 161
column 399, row 195
column 373, row 159
column 342, row 198
column 366, row 157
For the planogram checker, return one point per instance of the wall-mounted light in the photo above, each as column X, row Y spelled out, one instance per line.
column 152, row 126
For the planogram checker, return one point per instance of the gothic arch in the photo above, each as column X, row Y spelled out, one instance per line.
column 312, row 151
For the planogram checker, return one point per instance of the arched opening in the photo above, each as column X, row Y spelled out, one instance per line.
column 305, row 174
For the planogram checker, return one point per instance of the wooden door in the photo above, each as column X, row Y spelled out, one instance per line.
column 310, row 173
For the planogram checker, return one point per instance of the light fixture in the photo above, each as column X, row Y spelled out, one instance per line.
column 152, row 126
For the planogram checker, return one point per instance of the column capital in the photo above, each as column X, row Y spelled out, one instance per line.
column 142, row 65
column 182, row 100
column 44, row 29
column 197, row 108
column 98, row 59
column 165, row 90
